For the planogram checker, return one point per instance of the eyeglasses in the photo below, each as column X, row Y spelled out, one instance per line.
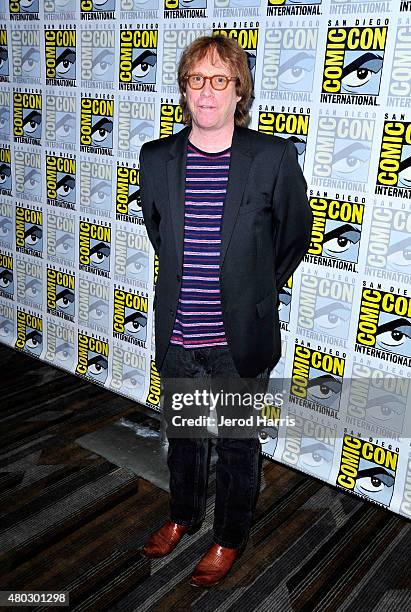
column 217, row 81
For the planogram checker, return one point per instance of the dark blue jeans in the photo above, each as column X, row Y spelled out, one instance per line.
column 238, row 467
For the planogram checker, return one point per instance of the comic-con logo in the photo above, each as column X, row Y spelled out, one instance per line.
column 5, row 107
column 171, row 119
column 342, row 152
column 60, row 238
column 394, row 165
column 93, row 304
column 60, row 344
column 384, row 326
column 154, row 389
column 135, row 126
column 6, row 322
column 289, row 61
column 400, row 83
column 131, row 262
column 316, row 380
column 293, row 7
column 26, row 64
column 378, row 400
column 28, row 175
column 367, row 469
column 96, row 126
column 24, row 9
column 29, row 333
column 175, row 40
column 96, row 189
column 4, row 56
column 61, row 181
column 185, row 9
column 128, row 370
column 335, row 233
column 354, row 58
column 94, row 247
column 97, row 57
column 29, row 231
column 27, row 117
column 5, row 171
column 60, row 293
column 6, row 225
column 92, row 358
column 128, row 200
column 60, row 57
column 97, row 9
column 29, row 285
column 60, row 127
column 389, row 245
column 130, row 316
column 138, row 59
column 309, row 446
column 247, row 39
column 325, row 308
column 293, row 126
column 6, row 275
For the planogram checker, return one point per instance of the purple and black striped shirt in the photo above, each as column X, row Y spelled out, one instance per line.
column 199, row 320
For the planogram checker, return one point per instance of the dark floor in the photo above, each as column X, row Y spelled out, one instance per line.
column 74, row 520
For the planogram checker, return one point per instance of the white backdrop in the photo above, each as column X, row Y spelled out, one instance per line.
column 83, row 83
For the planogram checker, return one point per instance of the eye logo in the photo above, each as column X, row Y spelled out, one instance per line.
column 353, row 64
column 27, row 117
column 316, row 457
column 98, row 7
column 138, row 59
column 5, row 177
column 6, row 276
column 95, row 247
column 394, row 168
column 128, row 199
column 61, row 181
column 337, row 229
column 384, row 324
column 96, row 127
column 60, row 293
column 292, row 126
column 4, row 57
column 317, row 380
column 60, row 57
column 130, row 317
column 367, row 469
column 92, row 359
column 29, row 333
column 171, row 119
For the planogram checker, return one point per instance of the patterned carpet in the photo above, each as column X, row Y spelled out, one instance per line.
column 72, row 521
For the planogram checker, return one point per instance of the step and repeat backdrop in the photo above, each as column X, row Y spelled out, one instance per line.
column 84, row 83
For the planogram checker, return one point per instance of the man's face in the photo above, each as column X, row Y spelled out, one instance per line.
column 211, row 109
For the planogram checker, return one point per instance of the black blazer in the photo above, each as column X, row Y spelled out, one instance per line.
column 265, row 233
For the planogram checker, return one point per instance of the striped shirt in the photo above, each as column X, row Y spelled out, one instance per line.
column 199, row 320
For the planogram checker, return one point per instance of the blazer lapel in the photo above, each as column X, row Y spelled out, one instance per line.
column 176, row 178
column 239, row 169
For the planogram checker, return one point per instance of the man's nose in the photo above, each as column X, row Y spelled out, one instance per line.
column 207, row 89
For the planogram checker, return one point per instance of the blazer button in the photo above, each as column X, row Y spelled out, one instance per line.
column 179, row 278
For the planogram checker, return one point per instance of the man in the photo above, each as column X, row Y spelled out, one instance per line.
column 226, row 211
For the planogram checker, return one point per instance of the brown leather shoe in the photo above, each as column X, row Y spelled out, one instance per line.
column 163, row 541
column 214, row 566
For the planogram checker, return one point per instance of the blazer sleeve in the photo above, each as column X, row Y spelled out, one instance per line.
column 148, row 206
column 292, row 216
